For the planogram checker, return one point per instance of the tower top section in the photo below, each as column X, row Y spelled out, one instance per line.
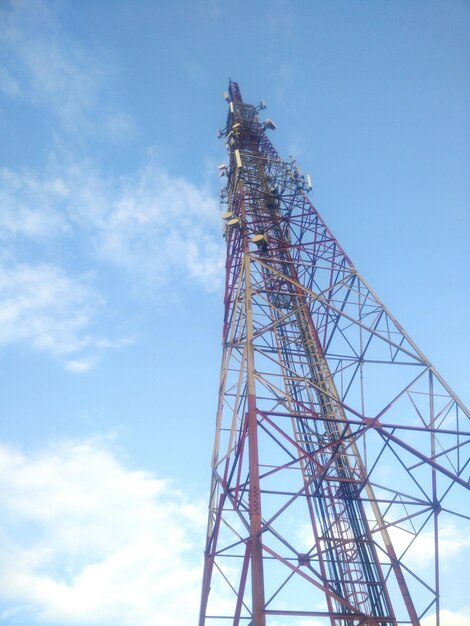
column 234, row 92
column 243, row 118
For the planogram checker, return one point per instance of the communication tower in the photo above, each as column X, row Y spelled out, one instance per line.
column 340, row 454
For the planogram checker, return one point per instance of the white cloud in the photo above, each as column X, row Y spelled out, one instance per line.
column 61, row 76
column 120, row 126
column 8, row 84
column 158, row 230
column 156, row 226
column 452, row 540
column 43, row 306
column 29, row 205
column 87, row 541
column 57, row 73
column 79, row 365
column 448, row 618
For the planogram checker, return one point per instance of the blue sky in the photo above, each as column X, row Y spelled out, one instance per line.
column 112, row 257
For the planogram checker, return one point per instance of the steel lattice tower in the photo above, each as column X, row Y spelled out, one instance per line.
column 340, row 452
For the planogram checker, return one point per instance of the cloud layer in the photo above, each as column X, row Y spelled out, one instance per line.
column 84, row 540
column 72, row 234
column 154, row 225
column 42, row 306
column 57, row 74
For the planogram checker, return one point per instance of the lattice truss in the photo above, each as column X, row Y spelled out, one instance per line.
column 340, row 453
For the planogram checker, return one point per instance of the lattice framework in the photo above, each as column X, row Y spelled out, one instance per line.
column 339, row 448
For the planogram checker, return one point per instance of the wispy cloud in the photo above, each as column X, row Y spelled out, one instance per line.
column 51, row 311
column 154, row 225
column 87, row 541
column 449, row 618
column 453, row 539
column 56, row 73
column 160, row 226
column 154, row 228
column 150, row 228
column 195, row 71
column 280, row 18
column 29, row 205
